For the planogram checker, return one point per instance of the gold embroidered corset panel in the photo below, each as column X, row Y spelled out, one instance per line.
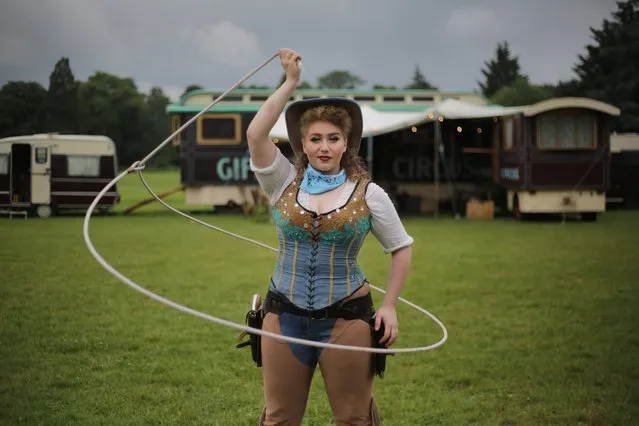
column 317, row 262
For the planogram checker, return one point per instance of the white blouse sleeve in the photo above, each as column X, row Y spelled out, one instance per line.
column 386, row 225
column 275, row 177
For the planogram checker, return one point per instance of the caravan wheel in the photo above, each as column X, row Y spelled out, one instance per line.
column 43, row 211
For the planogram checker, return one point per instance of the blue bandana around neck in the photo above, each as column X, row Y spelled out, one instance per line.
column 315, row 182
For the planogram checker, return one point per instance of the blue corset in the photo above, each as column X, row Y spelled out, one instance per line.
column 317, row 263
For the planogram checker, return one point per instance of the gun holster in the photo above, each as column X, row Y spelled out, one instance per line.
column 254, row 318
column 379, row 359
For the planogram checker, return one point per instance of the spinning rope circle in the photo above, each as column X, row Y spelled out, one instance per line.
column 138, row 166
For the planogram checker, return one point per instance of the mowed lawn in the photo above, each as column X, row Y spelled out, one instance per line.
column 542, row 320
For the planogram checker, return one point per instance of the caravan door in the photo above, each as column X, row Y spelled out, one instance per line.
column 41, row 178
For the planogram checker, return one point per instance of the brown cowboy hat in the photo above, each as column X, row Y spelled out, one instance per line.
column 296, row 109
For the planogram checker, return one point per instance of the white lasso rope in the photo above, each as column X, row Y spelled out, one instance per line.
column 139, row 166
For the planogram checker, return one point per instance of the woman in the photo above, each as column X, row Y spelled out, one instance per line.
column 323, row 206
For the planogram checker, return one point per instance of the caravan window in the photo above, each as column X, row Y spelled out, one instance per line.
column 219, row 129
column 41, row 155
column 175, row 125
column 83, row 165
column 4, row 164
column 508, row 135
column 573, row 130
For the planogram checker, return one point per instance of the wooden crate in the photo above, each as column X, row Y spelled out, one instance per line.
column 476, row 209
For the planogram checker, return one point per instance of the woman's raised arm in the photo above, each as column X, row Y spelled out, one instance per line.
column 261, row 149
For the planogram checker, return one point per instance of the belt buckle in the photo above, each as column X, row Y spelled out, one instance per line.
column 324, row 310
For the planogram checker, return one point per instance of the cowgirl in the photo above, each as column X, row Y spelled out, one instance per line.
column 324, row 205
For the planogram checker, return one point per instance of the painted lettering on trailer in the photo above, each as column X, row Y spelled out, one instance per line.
column 510, row 173
column 423, row 168
column 233, row 168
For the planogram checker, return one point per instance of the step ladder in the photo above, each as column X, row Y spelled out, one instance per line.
column 11, row 213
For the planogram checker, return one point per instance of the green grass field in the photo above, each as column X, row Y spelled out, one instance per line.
column 132, row 190
column 542, row 320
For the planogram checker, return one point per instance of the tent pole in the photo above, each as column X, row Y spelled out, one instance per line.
column 369, row 155
column 438, row 138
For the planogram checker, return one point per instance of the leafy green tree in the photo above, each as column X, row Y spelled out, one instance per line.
column 22, row 108
column 607, row 71
column 419, row 81
column 190, row 88
column 564, row 88
column 522, row 92
column 303, row 84
column 157, row 125
column 502, row 71
column 62, row 99
column 339, row 79
column 112, row 106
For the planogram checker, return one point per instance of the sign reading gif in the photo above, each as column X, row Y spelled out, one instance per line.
column 233, row 169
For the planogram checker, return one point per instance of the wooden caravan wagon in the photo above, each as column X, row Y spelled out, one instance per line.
column 48, row 173
column 214, row 160
column 554, row 157
column 624, row 171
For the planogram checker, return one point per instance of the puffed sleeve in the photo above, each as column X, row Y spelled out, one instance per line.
column 275, row 177
column 386, row 225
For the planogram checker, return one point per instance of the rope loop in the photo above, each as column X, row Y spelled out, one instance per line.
column 138, row 166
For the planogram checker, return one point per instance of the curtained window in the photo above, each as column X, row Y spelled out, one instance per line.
column 83, row 165
column 572, row 130
column 4, row 164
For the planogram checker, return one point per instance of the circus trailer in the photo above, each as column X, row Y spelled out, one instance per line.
column 44, row 174
column 554, row 157
column 624, row 171
column 214, row 158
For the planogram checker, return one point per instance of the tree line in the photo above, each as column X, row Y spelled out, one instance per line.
column 111, row 105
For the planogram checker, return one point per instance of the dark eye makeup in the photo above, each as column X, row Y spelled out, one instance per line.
column 332, row 138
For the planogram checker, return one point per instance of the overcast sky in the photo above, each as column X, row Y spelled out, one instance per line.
column 214, row 43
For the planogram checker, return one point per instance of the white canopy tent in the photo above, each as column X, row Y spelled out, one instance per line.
column 454, row 109
column 375, row 122
column 380, row 122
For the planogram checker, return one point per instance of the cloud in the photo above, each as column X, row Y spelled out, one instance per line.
column 17, row 51
column 215, row 43
column 228, row 44
column 472, row 21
